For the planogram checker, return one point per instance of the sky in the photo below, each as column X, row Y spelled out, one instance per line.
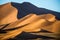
column 48, row 4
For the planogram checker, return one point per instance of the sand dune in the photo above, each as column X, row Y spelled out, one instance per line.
column 53, row 27
column 30, row 19
column 35, row 24
column 29, row 23
column 24, row 21
column 49, row 17
column 7, row 14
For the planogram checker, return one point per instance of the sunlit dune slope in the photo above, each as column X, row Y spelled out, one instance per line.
column 7, row 14
column 34, row 24
column 53, row 27
column 23, row 21
column 31, row 18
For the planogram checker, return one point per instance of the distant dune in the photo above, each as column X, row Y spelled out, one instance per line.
column 17, row 18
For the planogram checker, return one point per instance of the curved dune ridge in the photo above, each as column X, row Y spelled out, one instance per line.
column 31, row 23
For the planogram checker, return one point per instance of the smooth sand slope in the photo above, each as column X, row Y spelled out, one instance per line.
column 7, row 14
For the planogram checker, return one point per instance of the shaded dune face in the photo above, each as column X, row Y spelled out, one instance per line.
column 8, row 14
column 27, row 8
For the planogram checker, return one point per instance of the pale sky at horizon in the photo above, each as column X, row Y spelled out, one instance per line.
column 48, row 4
